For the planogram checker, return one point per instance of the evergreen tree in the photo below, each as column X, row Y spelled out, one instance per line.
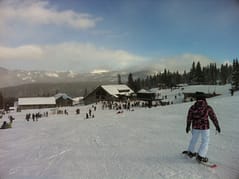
column 1, row 101
column 192, row 74
column 184, row 77
column 199, row 78
column 165, row 77
column 235, row 75
column 225, row 73
column 213, row 73
column 137, row 85
column 131, row 82
column 178, row 78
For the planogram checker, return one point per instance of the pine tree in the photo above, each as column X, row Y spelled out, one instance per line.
column 131, row 83
column 1, row 101
column 137, row 85
column 198, row 73
column 225, row 73
column 192, row 73
column 213, row 73
column 184, row 77
column 235, row 75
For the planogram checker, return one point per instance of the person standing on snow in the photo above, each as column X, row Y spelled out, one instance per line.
column 198, row 118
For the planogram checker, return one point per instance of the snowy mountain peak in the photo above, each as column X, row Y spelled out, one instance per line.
column 18, row 77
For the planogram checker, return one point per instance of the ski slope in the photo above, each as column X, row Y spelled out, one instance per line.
column 145, row 143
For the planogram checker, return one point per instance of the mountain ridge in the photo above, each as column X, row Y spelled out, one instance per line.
column 18, row 77
column 22, row 83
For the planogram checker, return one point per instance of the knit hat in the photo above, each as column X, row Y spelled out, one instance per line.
column 200, row 95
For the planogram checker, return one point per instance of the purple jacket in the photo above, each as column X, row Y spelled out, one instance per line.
column 198, row 115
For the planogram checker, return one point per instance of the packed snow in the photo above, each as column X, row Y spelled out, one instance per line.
column 137, row 143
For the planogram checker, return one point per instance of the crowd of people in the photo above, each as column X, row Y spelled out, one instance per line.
column 88, row 113
column 35, row 116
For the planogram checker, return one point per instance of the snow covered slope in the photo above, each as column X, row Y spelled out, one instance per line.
column 144, row 143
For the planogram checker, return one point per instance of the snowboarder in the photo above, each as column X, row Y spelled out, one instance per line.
column 198, row 117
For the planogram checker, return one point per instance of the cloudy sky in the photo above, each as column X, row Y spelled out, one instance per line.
column 95, row 35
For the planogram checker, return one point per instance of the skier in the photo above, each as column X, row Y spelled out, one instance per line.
column 198, row 116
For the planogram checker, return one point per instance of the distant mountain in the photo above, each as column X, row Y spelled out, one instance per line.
column 19, row 77
column 17, row 83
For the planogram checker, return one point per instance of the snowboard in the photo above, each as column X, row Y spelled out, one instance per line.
column 206, row 164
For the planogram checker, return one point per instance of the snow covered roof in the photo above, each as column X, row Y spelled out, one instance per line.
column 118, row 90
column 36, row 101
column 63, row 95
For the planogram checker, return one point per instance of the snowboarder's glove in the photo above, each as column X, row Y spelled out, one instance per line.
column 218, row 129
column 187, row 129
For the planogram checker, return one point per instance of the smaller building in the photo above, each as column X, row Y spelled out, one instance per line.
column 36, row 103
column 146, row 95
column 156, row 96
column 63, row 99
column 109, row 93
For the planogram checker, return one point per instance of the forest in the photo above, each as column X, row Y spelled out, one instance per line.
column 208, row 75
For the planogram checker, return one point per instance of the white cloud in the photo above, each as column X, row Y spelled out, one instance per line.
column 23, row 52
column 69, row 56
column 40, row 13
